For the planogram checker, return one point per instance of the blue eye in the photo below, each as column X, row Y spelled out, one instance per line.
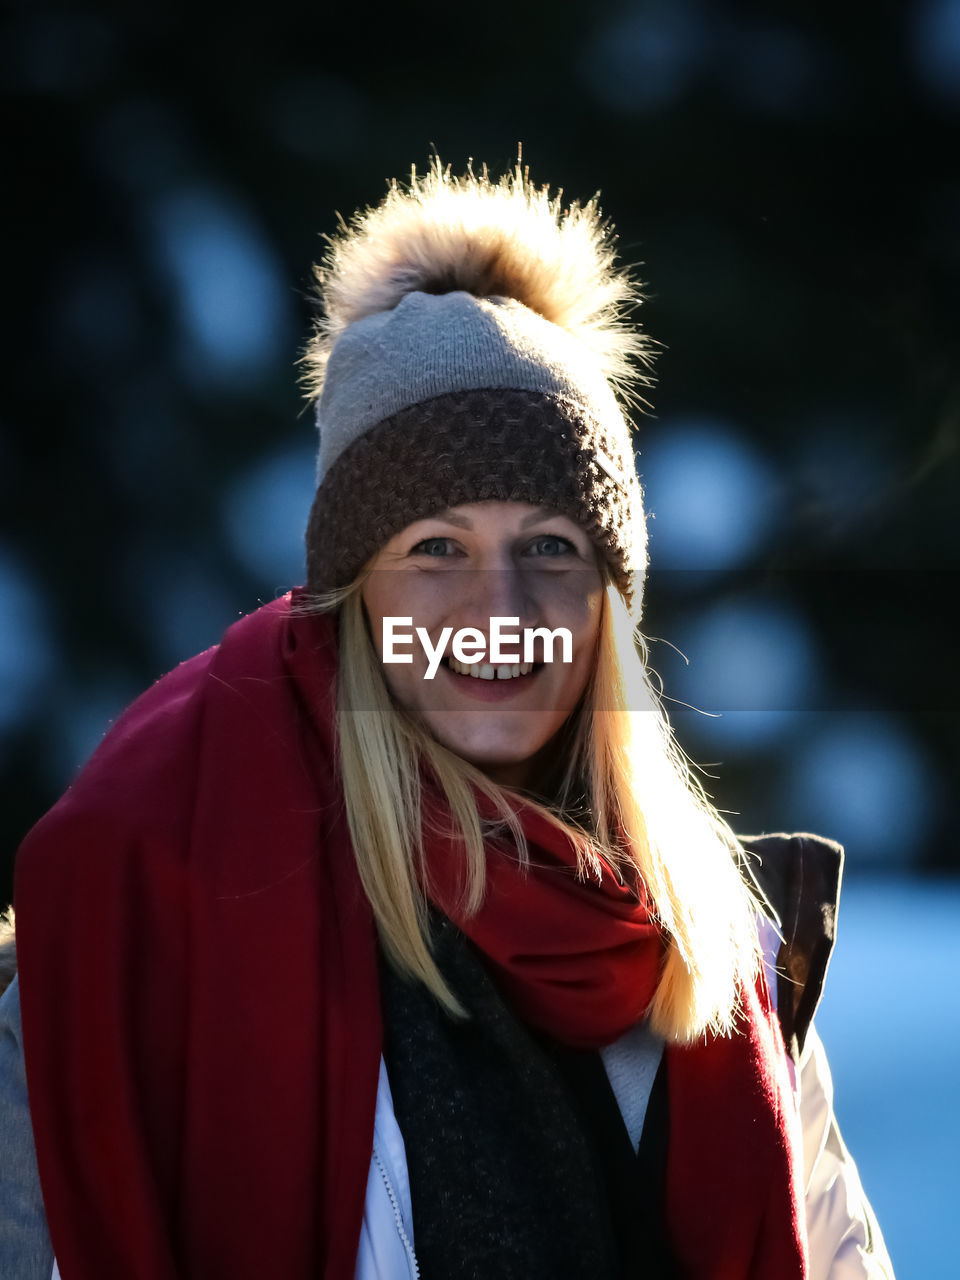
column 551, row 544
column 435, row 547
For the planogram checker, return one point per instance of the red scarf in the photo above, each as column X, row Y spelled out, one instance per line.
column 198, row 977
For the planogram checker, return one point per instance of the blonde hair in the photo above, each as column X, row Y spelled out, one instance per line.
column 645, row 811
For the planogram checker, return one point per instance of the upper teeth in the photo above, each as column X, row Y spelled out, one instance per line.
column 486, row 671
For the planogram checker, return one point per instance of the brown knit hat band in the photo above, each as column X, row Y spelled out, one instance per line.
column 473, row 446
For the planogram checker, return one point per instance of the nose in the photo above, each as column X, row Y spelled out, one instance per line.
column 499, row 592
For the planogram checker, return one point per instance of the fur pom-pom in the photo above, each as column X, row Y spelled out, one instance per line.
column 506, row 238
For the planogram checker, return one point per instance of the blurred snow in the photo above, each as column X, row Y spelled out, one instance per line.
column 862, row 778
column 713, row 496
column 935, row 41
column 890, row 1021
column 178, row 597
column 28, row 653
column 235, row 309
column 752, row 664
column 265, row 512
column 79, row 717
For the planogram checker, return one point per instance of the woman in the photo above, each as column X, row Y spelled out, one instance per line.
column 362, row 949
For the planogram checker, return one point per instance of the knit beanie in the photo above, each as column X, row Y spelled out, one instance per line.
column 472, row 346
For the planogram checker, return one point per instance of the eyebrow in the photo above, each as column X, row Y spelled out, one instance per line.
column 537, row 517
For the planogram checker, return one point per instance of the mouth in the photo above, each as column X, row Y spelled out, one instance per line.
column 487, row 671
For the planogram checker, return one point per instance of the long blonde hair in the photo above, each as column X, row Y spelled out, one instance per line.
column 644, row 808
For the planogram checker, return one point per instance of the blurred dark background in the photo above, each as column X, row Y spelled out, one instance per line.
column 784, row 177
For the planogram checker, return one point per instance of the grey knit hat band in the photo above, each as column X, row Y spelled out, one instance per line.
column 429, row 345
column 472, row 446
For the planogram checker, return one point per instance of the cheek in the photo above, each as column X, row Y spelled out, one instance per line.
column 375, row 633
column 585, row 633
column 383, row 597
column 388, row 595
column 576, row 677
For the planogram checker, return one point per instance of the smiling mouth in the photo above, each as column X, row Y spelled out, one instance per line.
column 487, row 671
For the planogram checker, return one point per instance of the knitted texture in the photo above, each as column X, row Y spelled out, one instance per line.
column 429, row 345
column 472, row 446
column 495, row 1144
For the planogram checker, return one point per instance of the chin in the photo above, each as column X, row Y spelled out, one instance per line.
column 489, row 746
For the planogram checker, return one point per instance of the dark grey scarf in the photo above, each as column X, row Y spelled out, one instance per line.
column 520, row 1165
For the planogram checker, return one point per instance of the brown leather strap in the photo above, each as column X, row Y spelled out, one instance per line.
column 800, row 876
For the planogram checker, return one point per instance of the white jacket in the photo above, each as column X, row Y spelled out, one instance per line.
column 844, row 1237
column 845, row 1240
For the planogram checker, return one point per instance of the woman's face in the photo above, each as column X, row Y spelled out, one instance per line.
column 461, row 569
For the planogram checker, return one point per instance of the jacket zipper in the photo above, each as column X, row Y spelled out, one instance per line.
column 397, row 1215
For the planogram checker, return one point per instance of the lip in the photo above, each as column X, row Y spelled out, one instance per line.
column 490, row 690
